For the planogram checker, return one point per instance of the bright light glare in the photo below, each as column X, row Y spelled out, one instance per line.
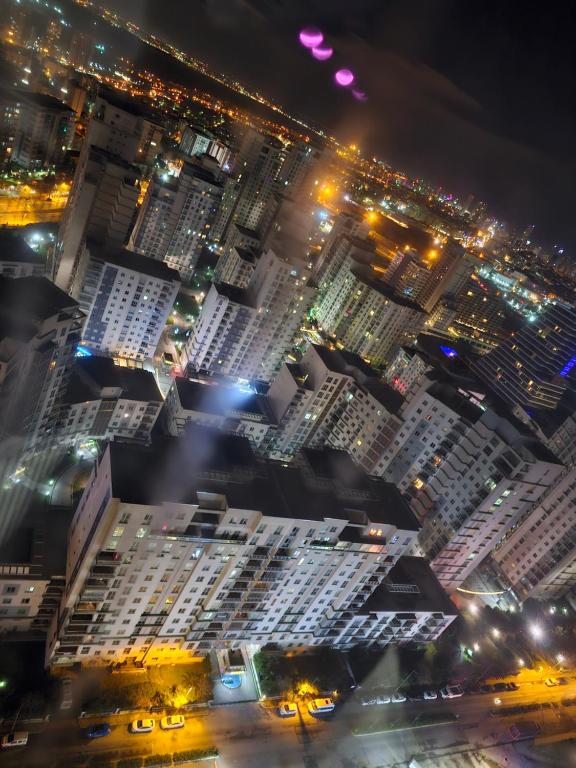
column 344, row 77
column 322, row 54
column 310, row 37
column 536, row 631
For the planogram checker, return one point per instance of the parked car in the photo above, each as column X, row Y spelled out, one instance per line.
column 368, row 701
column 97, row 731
column 287, row 709
column 142, row 726
column 551, row 682
column 452, row 692
column 512, row 687
column 430, row 695
column 563, row 681
column 500, row 687
column 170, row 722
column 381, row 699
column 17, row 739
column 398, row 698
column 321, row 706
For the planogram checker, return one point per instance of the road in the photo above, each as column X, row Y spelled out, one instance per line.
column 249, row 735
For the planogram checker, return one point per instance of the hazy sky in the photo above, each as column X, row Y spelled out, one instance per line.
column 477, row 97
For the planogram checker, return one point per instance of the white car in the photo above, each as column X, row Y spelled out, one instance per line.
column 287, row 709
column 142, row 726
column 398, row 698
column 451, row 692
column 18, row 739
column 366, row 701
column 383, row 700
column 172, row 721
column 430, row 695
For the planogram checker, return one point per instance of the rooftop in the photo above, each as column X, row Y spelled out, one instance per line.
column 40, row 539
column 14, row 248
column 122, row 257
column 26, row 301
column 247, row 232
column 91, row 375
column 44, row 101
column 414, row 571
column 323, row 484
column 219, row 399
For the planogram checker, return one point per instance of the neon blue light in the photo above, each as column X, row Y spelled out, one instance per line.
column 83, row 351
column 449, row 351
column 568, row 367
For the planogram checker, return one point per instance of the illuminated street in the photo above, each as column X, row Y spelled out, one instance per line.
column 243, row 730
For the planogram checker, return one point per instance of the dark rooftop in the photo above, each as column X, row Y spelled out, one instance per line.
column 326, row 484
column 90, row 375
column 411, row 571
column 14, row 248
column 246, row 254
column 218, row 399
column 40, row 539
column 247, row 232
column 26, row 301
column 122, row 257
column 45, row 101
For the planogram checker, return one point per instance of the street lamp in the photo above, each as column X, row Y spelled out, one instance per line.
column 521, row 662
column 560, row 658
column 476, row 647
column 495, row 632
column 536, row 631
column 473, row 609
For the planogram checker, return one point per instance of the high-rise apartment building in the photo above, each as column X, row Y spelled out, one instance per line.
column 100, row 207
column 40, row 329
column 196, row 141
column 256, row 168
column 127, row 299
column 193, row 545
column 122, row 127
column 236, row 266
column 245, row 333
column 332, row 397
column 175, row 220
column 9, row 117
column 44, row 131
column 443, row 270
column 365, row 315
column 476, row 483
column 538, row 557
column 532, row 370
column 105, row 401
column 349, row 235
column 300, row 161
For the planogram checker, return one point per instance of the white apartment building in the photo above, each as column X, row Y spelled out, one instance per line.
column 538, row 557
column 406, row 370
column 483, row 478
column 40, row 328
column 332, row 397
column 176, row 217
column 247, row 333
column 107, row 401
column 17, row 259
column 192, row 545
column 32, row 571
column 127, row 299
column 236, row 267
column 100, row 207
column 120, row 126
column 351, row 226
column 256, row 168
column 226, row 406
column 365, row 316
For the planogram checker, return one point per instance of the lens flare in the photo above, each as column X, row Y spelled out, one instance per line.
column 310, row 37
column 344, row 77
column 322, row 54
column 359, row 95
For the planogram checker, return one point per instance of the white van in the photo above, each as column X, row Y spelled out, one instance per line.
column 18, row 739
column 321, row 706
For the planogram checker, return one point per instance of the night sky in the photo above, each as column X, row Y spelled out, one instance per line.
column 477, row 97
